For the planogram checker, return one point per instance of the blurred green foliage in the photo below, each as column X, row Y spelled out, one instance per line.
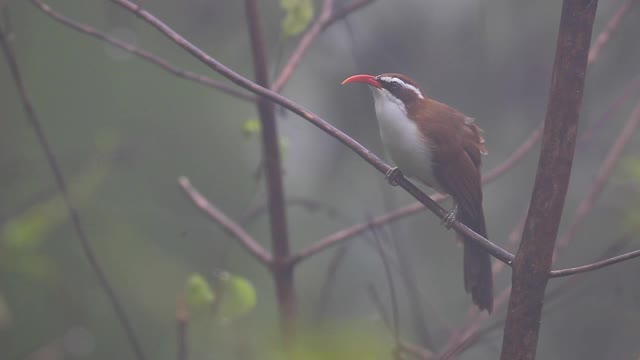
column 299, row 14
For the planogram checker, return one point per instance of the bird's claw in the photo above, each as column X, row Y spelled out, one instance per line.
column 393, row 175
column 450, row 218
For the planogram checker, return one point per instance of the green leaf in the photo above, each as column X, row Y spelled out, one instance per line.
column 251, row 127
column 198, row 292
column 299, row 14
column 239, row 296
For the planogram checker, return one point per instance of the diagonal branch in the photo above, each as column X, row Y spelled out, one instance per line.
column 143, row 54
column 85, row 243
column 609, row 29
column 231, row 227
column 314, row 119
column 603, row 175
column 326, row 18
column 501, row 168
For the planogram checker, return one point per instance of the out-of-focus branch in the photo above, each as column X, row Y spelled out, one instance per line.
column 231, row 227
column 326, row 18
column 402, row 346
column 282, row 272
column 52, row 161
column 533, row 260
column 182, row 325
column 143, row 54
column 603, row 175
column 609, row 29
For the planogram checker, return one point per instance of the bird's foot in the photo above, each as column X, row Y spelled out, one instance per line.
column 450, row 218
column 393, row 175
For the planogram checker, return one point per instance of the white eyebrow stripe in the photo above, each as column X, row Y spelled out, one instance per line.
column 404, row 84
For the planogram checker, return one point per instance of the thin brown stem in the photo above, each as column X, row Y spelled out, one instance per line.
column 76, row 223
column 594, row 266
column 282, row 272
column 603, row 175
column 609, row 29
column 182, row 327
column 231, row 227
column 143, row 54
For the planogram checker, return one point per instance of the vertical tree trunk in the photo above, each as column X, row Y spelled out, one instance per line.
column 533, row 261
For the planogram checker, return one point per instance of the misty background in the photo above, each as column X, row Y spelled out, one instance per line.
column 124, row 131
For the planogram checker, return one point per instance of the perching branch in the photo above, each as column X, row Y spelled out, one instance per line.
column 468, row 331
column 52, row 161
column 143, row 54
column 499, row 170
column 314, row 119
column 232, row 228
column 533, row 260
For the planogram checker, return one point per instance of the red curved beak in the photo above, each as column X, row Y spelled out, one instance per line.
column 363, row 78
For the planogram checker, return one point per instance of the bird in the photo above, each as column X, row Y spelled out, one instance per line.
column 442, row 148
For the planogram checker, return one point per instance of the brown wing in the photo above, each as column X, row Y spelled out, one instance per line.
column 459, row 176
column 456, row 164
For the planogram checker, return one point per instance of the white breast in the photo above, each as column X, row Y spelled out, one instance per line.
column 402, row 138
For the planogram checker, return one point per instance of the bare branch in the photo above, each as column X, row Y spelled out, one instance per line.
column 594, row 266
column 604, row 173
column 611, row 27
column 232, row 228
column 52, row 161
column 143, row 54
column 533, row 260
column 326, row 18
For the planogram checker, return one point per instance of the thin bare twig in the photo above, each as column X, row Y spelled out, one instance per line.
column 182, row 325
column 595, row 265
column 232, row 228
column 143, row 54
column 395, row 314
column 253, row 212
column 603, row 175
column 326, row 18
column 52, row 161
column 609, row 29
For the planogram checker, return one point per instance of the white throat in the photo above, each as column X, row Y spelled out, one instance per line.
column 402, row 138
